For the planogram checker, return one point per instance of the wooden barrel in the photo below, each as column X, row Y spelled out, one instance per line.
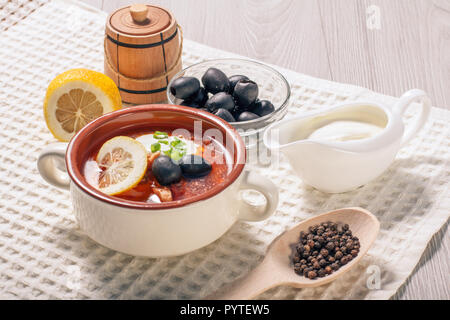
column 143, row 45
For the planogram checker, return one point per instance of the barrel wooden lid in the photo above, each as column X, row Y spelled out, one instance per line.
column 140, row 20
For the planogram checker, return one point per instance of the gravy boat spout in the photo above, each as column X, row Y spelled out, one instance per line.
column 346, row 146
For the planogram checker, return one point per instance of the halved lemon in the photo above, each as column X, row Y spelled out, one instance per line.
column 76, row 97
column 123, row 161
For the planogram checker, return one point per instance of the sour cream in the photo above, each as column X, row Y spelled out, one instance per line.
column 148, row 139
column 345, row 131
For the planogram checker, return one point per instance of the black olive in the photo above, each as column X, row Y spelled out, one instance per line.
column 225, row 115
column 166, row 171
column 215, row 81
column 194, row 166
column 220, row 100
column 263, row 107
column 185, row 87
column 246, row 116
column 239, row 108
column 200, row 97
column 188, row 103
column 198, row 100
column 233, row 80
column 236, row 112
column 254, row 105
column 245, row 92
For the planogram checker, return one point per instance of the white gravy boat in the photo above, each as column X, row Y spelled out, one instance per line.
column 341, row 166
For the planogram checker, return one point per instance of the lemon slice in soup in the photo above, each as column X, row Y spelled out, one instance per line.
column 123, row 161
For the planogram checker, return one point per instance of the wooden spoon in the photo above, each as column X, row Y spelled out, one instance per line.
column 276, row 269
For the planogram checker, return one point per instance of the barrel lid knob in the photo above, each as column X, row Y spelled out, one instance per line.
column 139, row 20
column 139, row 12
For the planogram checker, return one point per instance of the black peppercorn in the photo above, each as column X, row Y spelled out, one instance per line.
column 328, row 269
column 322, row 262
column 330, row 246
column 324, row 252
column 323, row 249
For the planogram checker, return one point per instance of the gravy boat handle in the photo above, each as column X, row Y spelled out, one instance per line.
column 51, row 165
column 405, row 102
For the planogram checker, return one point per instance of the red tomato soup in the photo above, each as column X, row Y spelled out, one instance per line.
column 149, row 190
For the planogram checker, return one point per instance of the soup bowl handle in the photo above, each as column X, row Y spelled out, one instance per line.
column 256, row 212
column 51, row 165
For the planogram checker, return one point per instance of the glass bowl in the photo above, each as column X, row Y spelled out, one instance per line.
column 272, row 86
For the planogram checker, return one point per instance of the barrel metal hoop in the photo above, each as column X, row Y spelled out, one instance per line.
column 142, row 46
column 143, row 91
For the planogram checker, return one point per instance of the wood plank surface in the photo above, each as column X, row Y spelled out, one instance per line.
column 388, row 46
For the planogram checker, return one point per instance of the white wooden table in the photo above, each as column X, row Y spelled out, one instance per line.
column 388, row 46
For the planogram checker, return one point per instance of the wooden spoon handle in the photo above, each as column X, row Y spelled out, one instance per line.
column 249, row 286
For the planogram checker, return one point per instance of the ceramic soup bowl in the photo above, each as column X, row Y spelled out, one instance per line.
column 156, row 229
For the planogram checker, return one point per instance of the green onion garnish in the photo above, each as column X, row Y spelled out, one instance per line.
column 176, row 155
column 168, row 152
column 160, row 135
column 155, row 147
column 175, row 143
